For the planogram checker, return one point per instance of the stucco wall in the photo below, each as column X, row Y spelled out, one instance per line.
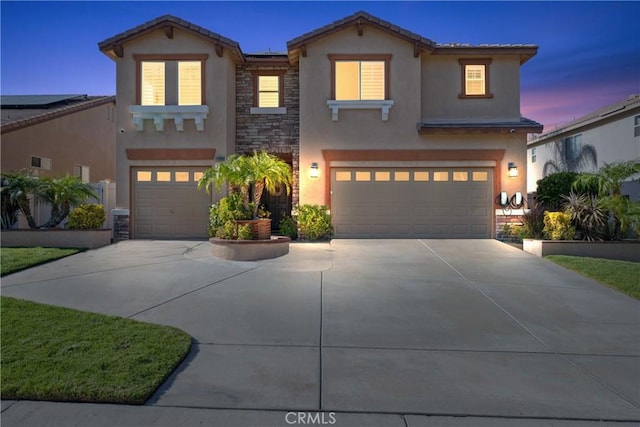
column 85, row 138
column 613, row 140
column 219, row 126
column 364, row 129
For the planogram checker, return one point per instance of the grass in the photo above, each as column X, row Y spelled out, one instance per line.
column 621, row 275
column 60, row 354
column 16, row 259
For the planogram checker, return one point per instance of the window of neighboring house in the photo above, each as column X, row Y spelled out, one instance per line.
column 360, row 77
column 533, row 155
column 475, row 78
column 171, row 79
column 40, row 163
column 82, row 172
column 636, row 129
column 572, row 147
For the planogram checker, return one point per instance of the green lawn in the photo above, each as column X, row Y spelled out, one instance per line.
column 16, row 259
column 621, row 275
column 54, row 353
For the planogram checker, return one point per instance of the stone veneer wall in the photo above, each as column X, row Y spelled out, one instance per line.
column 276, row 133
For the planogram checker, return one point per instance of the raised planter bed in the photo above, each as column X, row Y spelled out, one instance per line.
column 628, row 250
column 56, row 238
column 260, row 228
column 250, row 250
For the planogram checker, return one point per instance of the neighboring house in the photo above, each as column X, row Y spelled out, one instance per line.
column 398, row 135
column 56, row 135
column 611, row 134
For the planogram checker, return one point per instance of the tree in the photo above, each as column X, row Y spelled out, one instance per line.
column 249, row 176
column 577, row 162
column 608, row 181
column 17, row 189
column 62, row 193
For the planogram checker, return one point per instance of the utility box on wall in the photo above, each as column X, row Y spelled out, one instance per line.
column 120, row 224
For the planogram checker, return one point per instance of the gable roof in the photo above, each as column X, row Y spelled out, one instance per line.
column 630, row 105
column 20, row 111
column 297, row 46
column 358, row 19
column 113, row 46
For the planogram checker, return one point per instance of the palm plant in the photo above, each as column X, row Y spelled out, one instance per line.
column 588, row 213
column 249, row 174
column 587, row 156
column 62, row 193
column 17, row 189
column 625, row 214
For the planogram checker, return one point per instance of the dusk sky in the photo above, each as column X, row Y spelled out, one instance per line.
column 589, row 52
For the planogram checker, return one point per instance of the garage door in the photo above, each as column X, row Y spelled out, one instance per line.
column 412, row 202
column 168, row 205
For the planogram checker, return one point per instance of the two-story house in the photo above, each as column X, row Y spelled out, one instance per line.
column 398, row 135
column 608, row 135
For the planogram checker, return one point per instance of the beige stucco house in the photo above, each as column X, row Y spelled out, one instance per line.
column 610, row 134
column 398, row 135
column 56, row 135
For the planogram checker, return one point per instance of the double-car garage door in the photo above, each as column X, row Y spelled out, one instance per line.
column 168, row 205
column 412, row 202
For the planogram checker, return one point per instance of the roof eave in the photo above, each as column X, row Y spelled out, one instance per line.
column 525, row 52
column 479, row 128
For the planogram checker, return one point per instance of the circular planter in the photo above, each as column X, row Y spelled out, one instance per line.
column 260, row 228
column 250, row 250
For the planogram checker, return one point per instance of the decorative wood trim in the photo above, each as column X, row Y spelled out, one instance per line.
column 202, row 57
column 168, row 31
column 219, row 50
column 360, row 28
column 303, row 50
column 118, row 50
column 171, row 154
column 386, row 57
column 409, row 155
column 487, row 87
column 417, row 51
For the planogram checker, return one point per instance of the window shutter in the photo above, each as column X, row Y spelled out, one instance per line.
column 189, row 83
column 372, row 80
column 152, row 83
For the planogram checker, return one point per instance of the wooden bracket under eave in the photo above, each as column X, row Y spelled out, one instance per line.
column 416, row 51
column 168, row 31
column 219, row 50
column 118, row 50
column 360, row 28
column 303, row 50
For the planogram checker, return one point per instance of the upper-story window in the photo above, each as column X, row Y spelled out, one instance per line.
column 170, row 79
column 268, row 92
column 533, row 155
column 360, row 82
column 360, row 77
column 636, row 129
column 475, row 78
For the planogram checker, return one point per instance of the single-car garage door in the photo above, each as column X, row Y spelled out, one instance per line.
column 168, row 205
column 412, row 202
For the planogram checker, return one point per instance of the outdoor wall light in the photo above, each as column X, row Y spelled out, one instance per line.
column 313, row 172
column 513, row 170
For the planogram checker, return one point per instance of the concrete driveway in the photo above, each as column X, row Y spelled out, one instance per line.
column 375, row 332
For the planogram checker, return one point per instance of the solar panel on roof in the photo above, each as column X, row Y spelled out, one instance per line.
column 36, row 100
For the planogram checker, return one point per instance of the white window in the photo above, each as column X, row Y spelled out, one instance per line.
column 268, row 91
column 152, row 83
column 359, row 80
column 572, row 147
column 636, row 129
column 40, row 163
column 474, row 79
column 189, row 83
column 81, row 172
column 533, row 155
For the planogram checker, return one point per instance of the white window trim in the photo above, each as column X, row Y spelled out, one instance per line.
column 268, row 110
column 382, row 105
column 177, row 113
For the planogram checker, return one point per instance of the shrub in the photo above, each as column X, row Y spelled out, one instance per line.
column 551, row 189
column 87, row 217
column 588, row 214
column 289, row 227
column 314, row 222
column 557, row 226
column 533, row 221
column 244, row 232
column 227, row 210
